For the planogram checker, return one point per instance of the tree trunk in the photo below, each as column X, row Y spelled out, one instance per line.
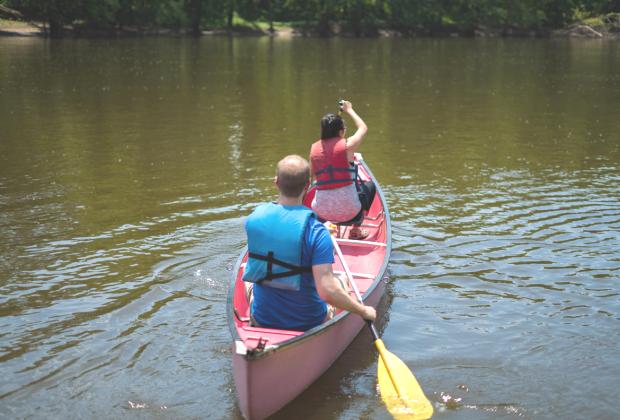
column 356, row 22
column 270, row 16
column 231, row 11
column 323, row 27
column 55, row 28
column 195, row 17
column 10, row 12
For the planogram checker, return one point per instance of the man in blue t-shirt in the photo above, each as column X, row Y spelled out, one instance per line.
column 320, row 292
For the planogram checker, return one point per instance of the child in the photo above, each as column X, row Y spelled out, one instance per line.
column 338, row 197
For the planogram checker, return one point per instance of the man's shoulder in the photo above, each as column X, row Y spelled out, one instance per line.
column 261, row 209
column 316, row 227
column 318, row 248
column 319, row 238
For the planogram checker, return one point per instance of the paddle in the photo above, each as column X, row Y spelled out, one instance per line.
column 399, row 389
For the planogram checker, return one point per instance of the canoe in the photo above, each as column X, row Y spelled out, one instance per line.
column 271, row 367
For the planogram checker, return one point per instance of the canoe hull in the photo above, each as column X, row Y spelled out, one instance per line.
column 272, row 366
column 265, row 385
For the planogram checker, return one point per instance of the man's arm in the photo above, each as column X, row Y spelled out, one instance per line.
column 330, row 291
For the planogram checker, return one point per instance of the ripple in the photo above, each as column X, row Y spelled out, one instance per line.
column 98, row 297
column 517, row 238
column 123, row 186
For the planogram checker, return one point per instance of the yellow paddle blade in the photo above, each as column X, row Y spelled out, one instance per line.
column 394, row 377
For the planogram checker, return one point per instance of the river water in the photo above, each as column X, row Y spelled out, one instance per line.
column 127, row 166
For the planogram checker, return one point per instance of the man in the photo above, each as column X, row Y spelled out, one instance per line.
column 290, row 259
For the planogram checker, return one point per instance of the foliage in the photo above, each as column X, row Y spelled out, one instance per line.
column 357, row 17
column 410, row 15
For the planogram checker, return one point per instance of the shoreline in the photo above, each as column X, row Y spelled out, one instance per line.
column 9, row 28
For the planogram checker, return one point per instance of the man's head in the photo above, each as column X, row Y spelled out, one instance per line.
column 331, row 124
column 292, row 176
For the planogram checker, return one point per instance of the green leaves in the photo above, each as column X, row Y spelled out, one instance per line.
column 357, row 17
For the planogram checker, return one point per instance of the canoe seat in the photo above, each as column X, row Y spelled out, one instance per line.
column 357, row 220
column 361, row 220
column 254, row 336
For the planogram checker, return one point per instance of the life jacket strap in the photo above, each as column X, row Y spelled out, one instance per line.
column 330, row 169
column 270, row 259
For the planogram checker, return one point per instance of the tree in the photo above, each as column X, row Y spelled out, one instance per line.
column 54, row 13
column 230, row 12
column 406, row 15
column 254, row 10
column 360, row 16
column 558, row 12
column 194, row 10
column 9, row 12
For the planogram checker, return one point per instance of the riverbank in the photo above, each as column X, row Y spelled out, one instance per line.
column 604, row 27
column 19, row 28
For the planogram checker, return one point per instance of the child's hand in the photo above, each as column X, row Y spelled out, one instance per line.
column 346, row 106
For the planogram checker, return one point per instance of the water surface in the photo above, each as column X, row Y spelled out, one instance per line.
column 127, row 166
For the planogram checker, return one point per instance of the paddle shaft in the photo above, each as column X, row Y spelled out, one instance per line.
column 378, row 342
column 373, row 330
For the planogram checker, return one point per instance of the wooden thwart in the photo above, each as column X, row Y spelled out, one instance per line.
column 358, row 242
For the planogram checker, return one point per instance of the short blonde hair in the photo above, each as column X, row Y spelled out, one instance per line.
column 293, row 174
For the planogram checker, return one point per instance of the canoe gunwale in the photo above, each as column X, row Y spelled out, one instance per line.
column 322, row 328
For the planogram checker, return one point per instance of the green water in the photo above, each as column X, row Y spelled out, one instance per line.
column 127, row 166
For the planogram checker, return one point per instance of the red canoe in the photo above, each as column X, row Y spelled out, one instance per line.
column 271, row 367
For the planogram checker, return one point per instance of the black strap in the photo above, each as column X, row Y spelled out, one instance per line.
column 292, row 268
column 269, row 264
column 330, row 170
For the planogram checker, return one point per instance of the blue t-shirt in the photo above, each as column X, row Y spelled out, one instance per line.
column 303, row 309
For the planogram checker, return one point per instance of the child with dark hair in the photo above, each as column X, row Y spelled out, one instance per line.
column 338, row 197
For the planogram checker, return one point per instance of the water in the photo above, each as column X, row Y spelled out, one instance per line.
column 127, row 166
